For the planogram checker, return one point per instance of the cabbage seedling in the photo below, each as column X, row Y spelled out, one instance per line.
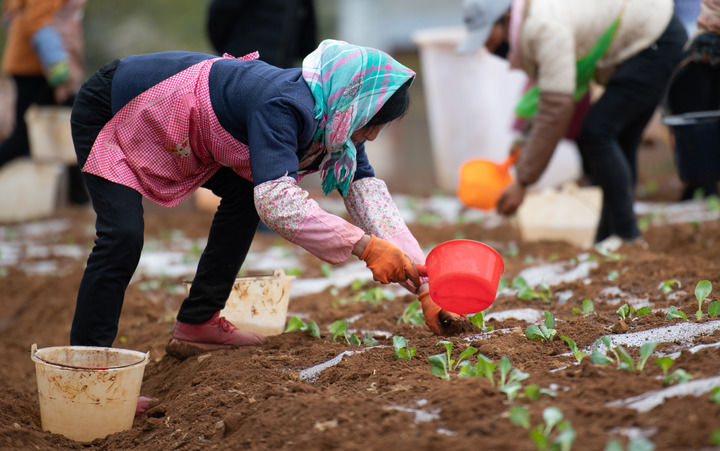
column 675, row 313
column 579, row 355
column 622, row 358
column 400, row 345
column 442, row 364
column 715, row 437
column 714, row 309
column 715, row 395
column 541, row 435
column 483, row 368
column 412, row 314
column 545, row 331
column 296, row 323
column 510, row 378
column 702, row 290
column 667, row 286
column 588, row 308
column 339, row 329
column 527, row 293
column 478, row 320
column 679, row 376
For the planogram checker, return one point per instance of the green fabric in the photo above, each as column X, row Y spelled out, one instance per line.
column 527, row 107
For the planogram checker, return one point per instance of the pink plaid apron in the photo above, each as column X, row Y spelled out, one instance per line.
column 167, row 142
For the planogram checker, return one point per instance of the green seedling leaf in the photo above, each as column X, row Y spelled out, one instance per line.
column 485, row 368
column 588, row 307
column 519, row 416
column 532, row 332
column 626, row 361
column 552, row 416
column 478, row 320
column 641, row 444
column 702, row 290
column 369, row 341
column 614, row 445
column 353, row 340
column 566, row 438
column 675, row 313
column 357, row 284
column 646, row 351
column 534, row 391
column 412, row 314
column 613, row 275
column 439, row 365
column 678, row 376
column 400, row 347
column 549, row 321
column 623, row 311
column 448, row 352
column 511, row 389
column 715, row 437
column 338, row 328
column 579, row 355
column 294, row 271
column 326, row 269
column 294, row 324
column 539, row 438
column 714, row 309
column 642, row 311
column 502, row 284
column 313, row 329
column 664, row 363
column 668, row 285
column 504, row 368
column 468, row 352
column 715, row 395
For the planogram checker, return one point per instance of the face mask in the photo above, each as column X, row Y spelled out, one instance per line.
column 502, row 50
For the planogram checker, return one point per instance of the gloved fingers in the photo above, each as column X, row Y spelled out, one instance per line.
column 411, row 272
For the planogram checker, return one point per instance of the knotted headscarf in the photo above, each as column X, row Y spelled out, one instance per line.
column 350, row 84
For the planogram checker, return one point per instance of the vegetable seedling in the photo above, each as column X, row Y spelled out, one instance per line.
column 714, row 309
column 702, row 291
column 527, row 293
column 679, row 376
column 296, row 323
column 541, row 435
column 588, row 308
column 442, row 364
column 510, row 378
column 667, row 286
column 483, row 368
column 478, row 320
column 579, row 355
column 412, row 314
column 715, row 437
column 339, row 329
column 400, row 345
column 326, row 269
column 664, row 363
column 715, row 395
column 675, row 313
column 622, row 358
column 545, row 331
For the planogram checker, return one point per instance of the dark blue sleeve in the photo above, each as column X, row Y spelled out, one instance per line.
column 363, row 168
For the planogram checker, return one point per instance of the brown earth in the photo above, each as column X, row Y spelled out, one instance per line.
column 254, row 398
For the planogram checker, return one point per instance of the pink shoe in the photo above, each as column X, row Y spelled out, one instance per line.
column 215, row 333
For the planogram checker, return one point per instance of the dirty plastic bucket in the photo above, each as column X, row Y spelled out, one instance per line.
column 697, row 153
column 463, row 275
column 482, row 182
column 259, row 304
column 86, row 392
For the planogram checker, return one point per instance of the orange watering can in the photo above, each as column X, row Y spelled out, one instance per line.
column 482, row 182
column 463, row 275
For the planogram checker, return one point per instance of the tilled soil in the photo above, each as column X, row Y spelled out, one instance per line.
column 257, row 398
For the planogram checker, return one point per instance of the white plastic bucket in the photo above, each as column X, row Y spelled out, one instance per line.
column 87, row 392
column 259, row 304
column 49, row 134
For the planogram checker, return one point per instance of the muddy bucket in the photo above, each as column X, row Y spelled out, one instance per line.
column 259, row 304
column 87, row 392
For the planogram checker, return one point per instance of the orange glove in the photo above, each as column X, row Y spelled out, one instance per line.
column 388, row 262
column 440, row 321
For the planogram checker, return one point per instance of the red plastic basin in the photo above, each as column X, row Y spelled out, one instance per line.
column 463, row 275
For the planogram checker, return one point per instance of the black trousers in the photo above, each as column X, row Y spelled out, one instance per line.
column 120, row 230
column 613, row 128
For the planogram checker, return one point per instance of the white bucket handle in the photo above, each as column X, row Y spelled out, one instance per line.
column 36, row 358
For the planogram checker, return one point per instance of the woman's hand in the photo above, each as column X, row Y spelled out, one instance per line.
column 440, row 321
column 387, row 262
column 511, row 198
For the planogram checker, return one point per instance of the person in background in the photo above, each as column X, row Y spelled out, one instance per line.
column 696, row 88
column 282, row 31
column 44, row 56
column 161, row 125
column 630, row 47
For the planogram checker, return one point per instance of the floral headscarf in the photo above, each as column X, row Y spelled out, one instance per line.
column 350, row 84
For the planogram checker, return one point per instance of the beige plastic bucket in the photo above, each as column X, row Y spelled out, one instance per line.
column 49, row 134
column 259, row 304
column 570, row 214
column 87, row 392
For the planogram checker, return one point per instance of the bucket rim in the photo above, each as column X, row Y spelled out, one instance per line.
column 463, row 240
column 145, row 357
column 278, row 273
